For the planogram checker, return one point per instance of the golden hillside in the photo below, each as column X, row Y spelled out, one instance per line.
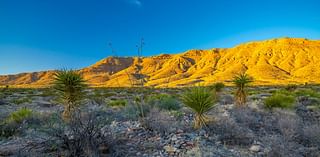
column 276, row 62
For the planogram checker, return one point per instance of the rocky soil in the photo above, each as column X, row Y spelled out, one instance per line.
column 253, row 131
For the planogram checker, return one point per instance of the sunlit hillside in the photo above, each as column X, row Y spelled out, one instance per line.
column 275, row 61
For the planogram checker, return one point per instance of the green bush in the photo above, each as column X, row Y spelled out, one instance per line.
column 279, row 101
column 118, row 103
column 307, row 92
column 20, row 115
column 12, row 124
column 164, row 101
column 169, row 103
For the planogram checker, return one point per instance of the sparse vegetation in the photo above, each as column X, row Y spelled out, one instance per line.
column 159, row 121
column 241, row 81
column 279, row 101
column 200, row 100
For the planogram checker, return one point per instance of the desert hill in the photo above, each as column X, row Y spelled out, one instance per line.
column 270, row 62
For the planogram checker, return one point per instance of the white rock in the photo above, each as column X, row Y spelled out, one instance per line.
column 255, row 148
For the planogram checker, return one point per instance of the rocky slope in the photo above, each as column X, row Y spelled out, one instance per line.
column 276, row 61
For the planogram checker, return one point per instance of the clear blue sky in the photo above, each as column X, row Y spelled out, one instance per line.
column 54, row 34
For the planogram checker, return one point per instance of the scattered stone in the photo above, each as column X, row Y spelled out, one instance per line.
column 255, row 148
column 170, row 149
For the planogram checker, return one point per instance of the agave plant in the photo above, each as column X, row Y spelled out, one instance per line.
column 70, row 87
column 241, row 81
column 200, row 100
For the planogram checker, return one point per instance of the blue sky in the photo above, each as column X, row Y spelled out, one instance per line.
column 53, row 34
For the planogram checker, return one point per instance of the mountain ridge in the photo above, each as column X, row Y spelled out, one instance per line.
column 270, row 62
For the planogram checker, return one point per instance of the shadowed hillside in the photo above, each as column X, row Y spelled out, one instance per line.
column 276, row 61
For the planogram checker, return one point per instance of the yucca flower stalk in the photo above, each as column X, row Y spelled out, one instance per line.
column 200, row 100
column 241, row 81
column 70, row 87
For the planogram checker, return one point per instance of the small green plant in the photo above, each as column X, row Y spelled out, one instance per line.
column 279, row 101
column 118, row 103
column 20, row 115
column 241, row 81
column 70, row 87
column 200, row 100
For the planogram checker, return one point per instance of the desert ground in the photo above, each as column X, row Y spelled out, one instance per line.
column 154, row 122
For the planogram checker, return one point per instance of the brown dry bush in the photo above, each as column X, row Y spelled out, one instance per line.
column 161, row 122
column 230, row 133
column 84, row 135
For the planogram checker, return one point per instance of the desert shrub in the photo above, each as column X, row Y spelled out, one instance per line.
column 135, row 111
column 160, row 121
column 178, row 114
column 280, row 147
column 169, row 103
column 259, row 121
column 20, row 115
column 83, row 135
column 8, row 129
column 200, row 100
column 70, row 87
column 230, row 133
column 21, row 100
column 217, row 86
column 291, row 87
column 241, row 81
column 13, row 123
column 98, row 100
column 249, row 118
column 311, row 134
column 279, row 101
column 164, row 101
column 284, row 92
column 117, row 103
column 308, row 93
column 289, row 126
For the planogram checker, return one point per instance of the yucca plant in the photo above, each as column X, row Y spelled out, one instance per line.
column 70, row 87
column 200, row 100
column 241, row 81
